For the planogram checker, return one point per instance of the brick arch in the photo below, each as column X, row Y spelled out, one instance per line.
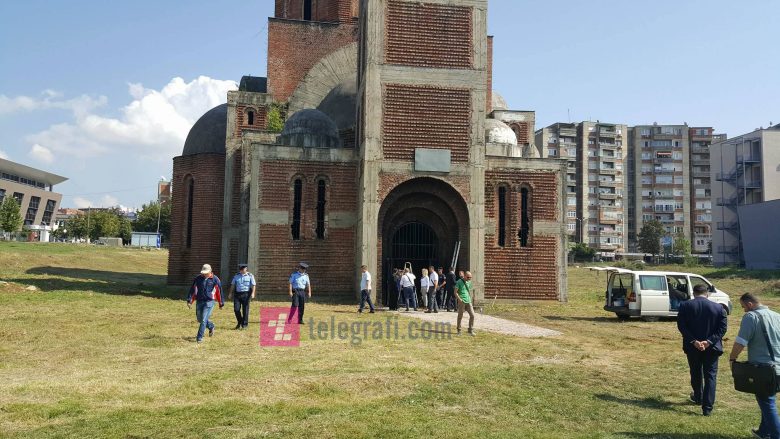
column 430, row 201
column 333, row 69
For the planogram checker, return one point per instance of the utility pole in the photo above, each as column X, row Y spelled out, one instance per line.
column 89, row 209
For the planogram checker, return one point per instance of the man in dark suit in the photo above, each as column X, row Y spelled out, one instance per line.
column 702, row 324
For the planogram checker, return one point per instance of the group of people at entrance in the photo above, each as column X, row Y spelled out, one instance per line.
column 703, row 323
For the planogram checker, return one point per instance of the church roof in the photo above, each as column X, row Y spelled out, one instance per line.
column 208, row 134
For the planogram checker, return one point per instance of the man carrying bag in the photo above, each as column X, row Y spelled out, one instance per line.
column 759, row 331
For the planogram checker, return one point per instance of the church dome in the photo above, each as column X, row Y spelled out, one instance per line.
column 208, row 134
column 498, row 102
column 499, row 132
column 341, row 104
column 310, row 128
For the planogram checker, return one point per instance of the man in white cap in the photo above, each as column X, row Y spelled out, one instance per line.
column 242, row 290
column 298, row 286
column 205, row 290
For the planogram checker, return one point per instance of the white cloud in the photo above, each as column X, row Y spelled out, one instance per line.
column 51, row 99
column 155, row 124
column 104, row 201
column 3, row 155
column 81, row 203
column 41, row 154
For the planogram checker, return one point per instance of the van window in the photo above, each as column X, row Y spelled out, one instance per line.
column 657, row 283
column 696, row 280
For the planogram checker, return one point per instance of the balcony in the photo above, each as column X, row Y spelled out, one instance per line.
column 728, row 249
column 609, row 183
column 608, row 171
column 728, row 226
column 608, row 196
column 607, row 133
column 700, row 162
column 700, row 150
column 607, row 145
column 664, row 160
column 701, row 174
column 750, row 184
column 748, row 159
column 608, row 220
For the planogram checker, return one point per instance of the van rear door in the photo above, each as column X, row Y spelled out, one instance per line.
column 654, row 295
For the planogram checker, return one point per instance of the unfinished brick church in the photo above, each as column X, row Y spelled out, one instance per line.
column 393, row 149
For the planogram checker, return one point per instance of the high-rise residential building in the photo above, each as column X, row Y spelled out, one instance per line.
column 745, row 170
column 595, row 184
column 701, row 198
column 659, row 162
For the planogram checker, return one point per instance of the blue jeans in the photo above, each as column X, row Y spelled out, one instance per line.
column 203, row 312
column 365, row 296
column 770, row 423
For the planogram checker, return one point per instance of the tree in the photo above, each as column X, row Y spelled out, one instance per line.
column 146, row 220
column 682, row 245
column 10, row 215
column 581, row 252
column 103, row 223
column 650, row 237
column 76, row 226
column 275, row 120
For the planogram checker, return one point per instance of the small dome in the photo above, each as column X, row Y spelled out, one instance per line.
column 208, row 134
column 531, row 151
column 498, row 102
column 341, row 104
column 499, row 132
column 310, row 128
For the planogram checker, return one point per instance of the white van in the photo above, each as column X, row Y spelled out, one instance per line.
column 653, row 294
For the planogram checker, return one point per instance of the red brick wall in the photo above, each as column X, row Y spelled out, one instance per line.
column 428, row 35
column 522, row 132
column 489, row 73
column 235, row 193
column 242, row 119
column 322, row 10
column 428, row 117
column 512, row 271
column 295, row 47
column 208, row 172
column 332, row 259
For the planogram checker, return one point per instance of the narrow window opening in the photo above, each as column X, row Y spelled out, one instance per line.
column 250, row 117
column 501, row 216
column 307, row 9
column 296, row 222
column 321, row 209
column 190, row 198
column 525, row 223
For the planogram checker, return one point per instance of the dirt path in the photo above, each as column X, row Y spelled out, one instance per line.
column 484, row 322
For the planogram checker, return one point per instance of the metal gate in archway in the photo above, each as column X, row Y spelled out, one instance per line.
column 416, row 243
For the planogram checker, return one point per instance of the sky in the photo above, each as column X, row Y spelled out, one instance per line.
column 104, row 93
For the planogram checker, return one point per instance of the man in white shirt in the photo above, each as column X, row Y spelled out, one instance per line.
column 365, row 290
column 433, row 305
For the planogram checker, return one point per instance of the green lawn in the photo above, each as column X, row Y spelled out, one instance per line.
column 104, row 349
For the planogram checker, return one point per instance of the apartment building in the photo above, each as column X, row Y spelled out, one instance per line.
column 33, row 190
column 745, row 170
column 701, row 138
column 595, row 184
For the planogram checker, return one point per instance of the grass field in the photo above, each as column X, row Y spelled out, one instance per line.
column 104, row 349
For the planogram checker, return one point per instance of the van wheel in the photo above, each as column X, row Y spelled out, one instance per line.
column 650, row 318
column 623, row 317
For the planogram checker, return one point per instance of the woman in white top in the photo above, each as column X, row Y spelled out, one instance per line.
column 425, row 282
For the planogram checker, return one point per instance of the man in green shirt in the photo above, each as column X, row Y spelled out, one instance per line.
column 463, row 292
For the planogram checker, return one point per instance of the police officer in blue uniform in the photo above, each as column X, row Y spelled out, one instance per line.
column 243, row 286
column 299, row 286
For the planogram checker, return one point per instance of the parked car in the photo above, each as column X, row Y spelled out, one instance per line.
column 653, row 294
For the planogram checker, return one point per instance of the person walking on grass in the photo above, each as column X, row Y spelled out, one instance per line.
column 703, row 324
column 433, row 305
column 242, row 290
column 206, row 290
column 298, row 287
column 365, row 289
column 759, row 325
column 463, row 292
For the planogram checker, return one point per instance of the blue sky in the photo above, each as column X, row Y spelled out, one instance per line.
column 104, row 92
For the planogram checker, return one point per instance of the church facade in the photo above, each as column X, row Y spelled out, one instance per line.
column 394, row 150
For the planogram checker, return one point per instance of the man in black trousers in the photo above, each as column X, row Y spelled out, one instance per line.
column 702, row 324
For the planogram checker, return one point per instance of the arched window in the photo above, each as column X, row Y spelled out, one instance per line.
column 321, row 209
column 502, row 216
column 190, row 185
column 307, row 9
column 525, row 217
column 250, row 117
column 296, row 220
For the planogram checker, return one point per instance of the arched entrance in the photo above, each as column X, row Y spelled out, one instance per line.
column 421, row 222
